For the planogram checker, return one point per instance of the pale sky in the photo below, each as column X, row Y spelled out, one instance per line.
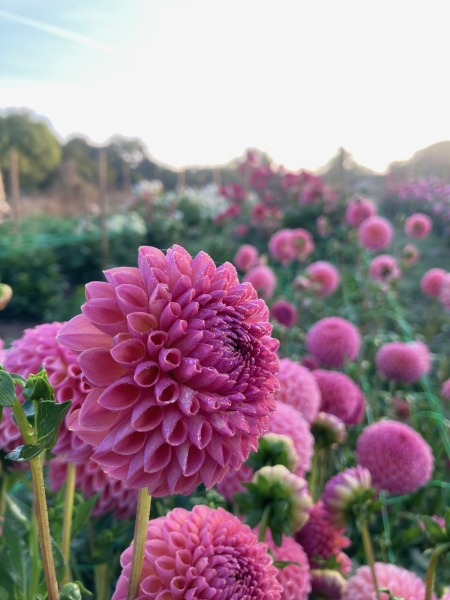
column 201, row 80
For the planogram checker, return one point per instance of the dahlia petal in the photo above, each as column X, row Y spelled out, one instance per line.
column 169, row 359
column 140, row 324
column 177, row 330
column 156, row 340
column 119, row 395
column 94, row 417
column 188, row 342
column 190, row 458
column 187, row 369
column 129, row 353
column 99, row 366
column 146, row 416
column 158, row 460
column 127, row 440
column 124, row 275
column 167, row 390
column 80, row 334
column 203, row 379
column 131, row 298
column 199, row 431
column 187, row 401
column 99, row 289
column 147, row 374
column 89, row 437
column 105, row 314
column 151, row 257
column 159, row 299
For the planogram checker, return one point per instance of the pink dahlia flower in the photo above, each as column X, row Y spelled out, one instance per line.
column 445, row 390
column 319, row 538
column 323, row 276
column 295, row 580
column 204, row 553
column 288, row 245
column 298, row 387
column 398, row 458
column 402, row 361
column 358, row 210
column 328, row 430
column 400, row 582
column 384, row 268
column 246, row 257
column 333, row 341
column 444, row 294
column 432, row 281
column 375, row 233
column 411, row 255
column 340, row 396
column 182, row 369
column 344, row 490
column 285, row 421
column 284, row 312
column 323, row 226
column 263, row 279
column 418, row 226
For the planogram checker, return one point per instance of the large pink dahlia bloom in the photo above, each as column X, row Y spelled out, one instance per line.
column 295, row 579
column 375, row 233
column 358, row 210
column 333, row 341
column 402, row 361
column 182, row 369
column 298, row 387
column 398, row 458
column 340, row 396
column 432, row 281
column 204, row 554
column 323, row 276
column 418, row 226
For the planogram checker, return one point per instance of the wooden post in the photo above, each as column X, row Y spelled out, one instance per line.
column 15, row 190
column 103, row 201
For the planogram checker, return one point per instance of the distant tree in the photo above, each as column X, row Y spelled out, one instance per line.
column 84, row 156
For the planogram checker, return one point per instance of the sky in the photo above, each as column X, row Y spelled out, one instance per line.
column 201, row 80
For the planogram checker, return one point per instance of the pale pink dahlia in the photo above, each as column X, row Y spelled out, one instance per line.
column 398, row 458
column 284, row 312
column 298, row 387
column 246, row 257
column 263, row 279
column 295, row 580
column 333, row 341
column 444, row 293
column 445, row 390
column 323, row 276
column 343, row 491
column 358, row 210
column 411, row 255
column 340, row 396
column 431, row 282
column 418, row 226
column 204, row 554
column 182, row 369
column 384, row 268
column 375, row 233
column 288, row 245
column 402, row 361
column 398, row 581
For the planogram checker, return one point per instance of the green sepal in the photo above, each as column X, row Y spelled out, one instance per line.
column 38, row 388
column 73, row 591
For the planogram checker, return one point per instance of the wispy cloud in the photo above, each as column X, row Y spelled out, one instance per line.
column 59, row 32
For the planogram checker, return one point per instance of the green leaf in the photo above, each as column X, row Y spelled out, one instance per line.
column 15, row 559
column 21, row 511
column 49, row 418
column 82, row 513
column 7, row 389
column 281, row 564
column 73, row 591
column 18, row 379
column 38, row 388
column 25, row 452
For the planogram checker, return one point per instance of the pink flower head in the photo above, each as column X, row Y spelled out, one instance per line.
column 328, row 584
column 233, row 191
column 344, row 490
column 263, row 279
column 204, row 553
column 358, row 210
column 411, row 255
column 284, row 312
column 432, row 281
column 375, row 233
column 400, row 582
column 401, row 361
column 418, row 226
column 398, row 458
column 298, row 387
column 246, row 257
column 384, row 268
column 295, row 580
column 182, row 369
column 445, row 390
column 333, row 341
column 241, row 230
column 323, row 226
column 319, row 538
column 340, row 396
column 288, row 245
column 310, row 362
column 444, row 293
column 324, row 278
column 328, row 430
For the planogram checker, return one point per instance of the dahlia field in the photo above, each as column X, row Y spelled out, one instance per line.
column 255, row 406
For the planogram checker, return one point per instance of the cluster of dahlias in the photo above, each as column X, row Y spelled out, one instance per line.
column 288, row 245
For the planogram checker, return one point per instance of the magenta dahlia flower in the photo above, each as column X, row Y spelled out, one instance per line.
column 288, row 245
column 246, row 257
column 411, row 255
column 333, row 341
column 445, row 390
column 323, row 276
column 295, row 580
column 398, row 458
column 432, row 281
column 182, row 369
column 340, row 396
column 263, row 279
column 284, row 312
column 375, row 233
column 344, row 490
column 328, row 584
column 398, row 581
column 384, row 268
column 204, row 553
column 358, row 210
column 298, row 387
column 418, row 226
column 402, row 361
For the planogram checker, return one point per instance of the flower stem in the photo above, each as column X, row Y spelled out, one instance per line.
column 140, row 535
column 35, row 560
column 67, row 519
column 369, row 554
column 314, row 480
column 263, row 524
column 101, row 581
column 26, row 429
column 431, row 571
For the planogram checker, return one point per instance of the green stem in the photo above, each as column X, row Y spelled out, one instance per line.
column 67, row 519
column 313, row 483
column 140, row 536
column 387, row 528
column 3, row 491
column 35, row 560
column 101, row 581
column 431, row 571
column 369, row 554
column 263, row 525
column 26, row 429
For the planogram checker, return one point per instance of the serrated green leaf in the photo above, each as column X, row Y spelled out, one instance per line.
column 49, row 418
column 7, row 389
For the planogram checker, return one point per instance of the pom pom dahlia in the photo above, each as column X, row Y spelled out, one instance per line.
column 323, row 277
column 284, row 312
column 202, row 554
column 384, row 268
column 432, row 281
column 288, row 245
column 333, row 341
column 358, row 210
column 411, row 255
column 246, row 257
column 401, row 361
column 263, row 279
column 418, row 226
column 182, row 369
column 294, row 579
column 375, row 233
column 398, row 581
column 298, row 387
column 398, row 458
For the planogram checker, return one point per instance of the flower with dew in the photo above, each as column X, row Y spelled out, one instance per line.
column 284, row 312
column 384, row 268
column 358, row 210
column 328, row 430
column 288, row 245
column 328, row 584
column 323, row 277
column 411, row 255
column 375, row 233
column 432, row 282
column 263, row 279
column 343, row 491
column 445, row 389
column 6, row 294
column 403, row 361
column 400, row 582
column 418, row 226
column 182, row 369
column 298, row 387
column 333, row 341
column 204, row 553
column 246, row 257
column 399, row 460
